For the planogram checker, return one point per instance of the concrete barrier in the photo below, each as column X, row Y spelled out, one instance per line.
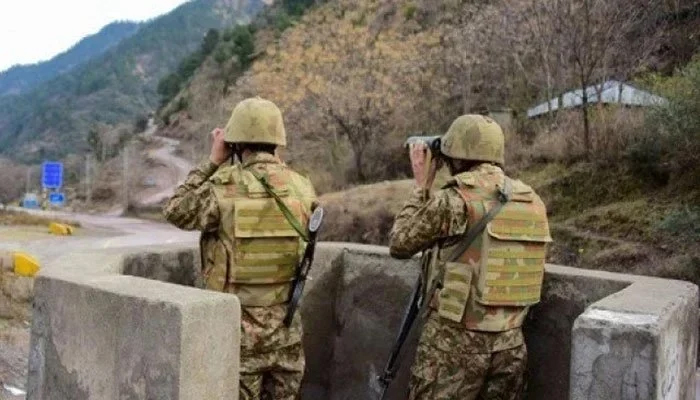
column 594, row 334
column 98, row 334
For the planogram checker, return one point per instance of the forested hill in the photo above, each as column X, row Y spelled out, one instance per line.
column 119, row 86
column 21, row 78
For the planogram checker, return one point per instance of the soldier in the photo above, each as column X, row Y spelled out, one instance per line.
column 471, row 346
column 250, row 243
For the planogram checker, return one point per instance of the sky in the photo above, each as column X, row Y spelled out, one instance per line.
column 36, row 30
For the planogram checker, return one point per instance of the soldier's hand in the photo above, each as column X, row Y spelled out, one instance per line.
column 423, row 165
column 220, row 152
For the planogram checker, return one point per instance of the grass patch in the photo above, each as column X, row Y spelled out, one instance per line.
column 27, row 219
column 364, row 214
column 632, row 220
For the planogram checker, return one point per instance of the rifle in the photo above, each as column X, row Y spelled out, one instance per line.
column 304, row 266
column 418, row 308
column 411, row 315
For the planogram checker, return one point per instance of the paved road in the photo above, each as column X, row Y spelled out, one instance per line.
column 96, row 232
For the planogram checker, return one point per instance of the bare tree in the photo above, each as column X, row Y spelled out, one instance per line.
column 535, row 47
column 602, row 37
column 358, row 105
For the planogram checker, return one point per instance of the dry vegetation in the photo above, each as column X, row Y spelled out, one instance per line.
column 356, row 77
column 12, row 180
column 363, row 214
column 16, row 218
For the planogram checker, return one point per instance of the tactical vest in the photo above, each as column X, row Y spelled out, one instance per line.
column 492, row 284
column 258, row 249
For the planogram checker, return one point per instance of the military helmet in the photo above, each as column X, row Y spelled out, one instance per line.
column 256, row 120
column 474, row 137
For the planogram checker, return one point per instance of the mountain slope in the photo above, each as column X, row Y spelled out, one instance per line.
column 54, row 118
column 355, row 78
column 21, row 78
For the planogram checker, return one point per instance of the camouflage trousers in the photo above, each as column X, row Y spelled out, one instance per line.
column 272, row 356
column 481, row 366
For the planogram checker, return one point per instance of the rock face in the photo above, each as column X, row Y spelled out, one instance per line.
column 98, row 334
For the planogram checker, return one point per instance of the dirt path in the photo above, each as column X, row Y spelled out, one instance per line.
column 174, row 171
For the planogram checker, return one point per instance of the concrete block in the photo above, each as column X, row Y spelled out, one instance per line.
column 129, row 338
column 548, row 326
column 639, row 343
column 318, row 316
column 180, row 266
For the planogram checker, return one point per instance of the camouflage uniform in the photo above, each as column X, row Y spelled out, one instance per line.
column 472, row 345
column 272, row 358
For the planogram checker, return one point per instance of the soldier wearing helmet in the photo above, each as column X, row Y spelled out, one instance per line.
column 471, row 346
column 250, row 246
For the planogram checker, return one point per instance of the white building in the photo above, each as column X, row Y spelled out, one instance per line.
column 610, row 92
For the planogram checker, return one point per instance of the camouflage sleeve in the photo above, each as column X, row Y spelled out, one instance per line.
column 194, row 206
column 424, row 219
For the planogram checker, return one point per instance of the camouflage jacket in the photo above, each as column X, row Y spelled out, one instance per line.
column 440, row 218
column 194, row 206
column 198, row 205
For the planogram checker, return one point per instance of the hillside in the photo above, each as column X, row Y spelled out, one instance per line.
column 354, row 78
column 21, row 78
column 54, row 118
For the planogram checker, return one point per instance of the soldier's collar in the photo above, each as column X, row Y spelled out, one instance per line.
column 261, row 158
column 468, row 176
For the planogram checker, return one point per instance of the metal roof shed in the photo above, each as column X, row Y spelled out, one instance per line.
column 611, row 92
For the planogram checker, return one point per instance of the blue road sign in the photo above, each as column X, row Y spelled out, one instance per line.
column 52, row 175
column 57, row 199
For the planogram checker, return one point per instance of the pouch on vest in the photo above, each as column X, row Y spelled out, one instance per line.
column 513, row 252
column 266, row 248
column 455, row 291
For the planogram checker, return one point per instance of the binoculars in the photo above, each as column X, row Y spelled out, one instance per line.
column 432, row 142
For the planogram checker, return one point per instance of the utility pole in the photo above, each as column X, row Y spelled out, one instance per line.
column 29, row 180
column 125, row 177
column 88, row 179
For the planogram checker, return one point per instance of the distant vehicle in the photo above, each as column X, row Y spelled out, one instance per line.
column 30, row 200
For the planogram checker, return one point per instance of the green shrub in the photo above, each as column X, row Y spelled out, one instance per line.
column 684, row 222
column 282, row 21
column 243, row 44
column 671, row 140
column 409, row 10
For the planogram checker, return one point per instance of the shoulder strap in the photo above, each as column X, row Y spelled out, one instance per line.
column 283, row 207
column 504, row 194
